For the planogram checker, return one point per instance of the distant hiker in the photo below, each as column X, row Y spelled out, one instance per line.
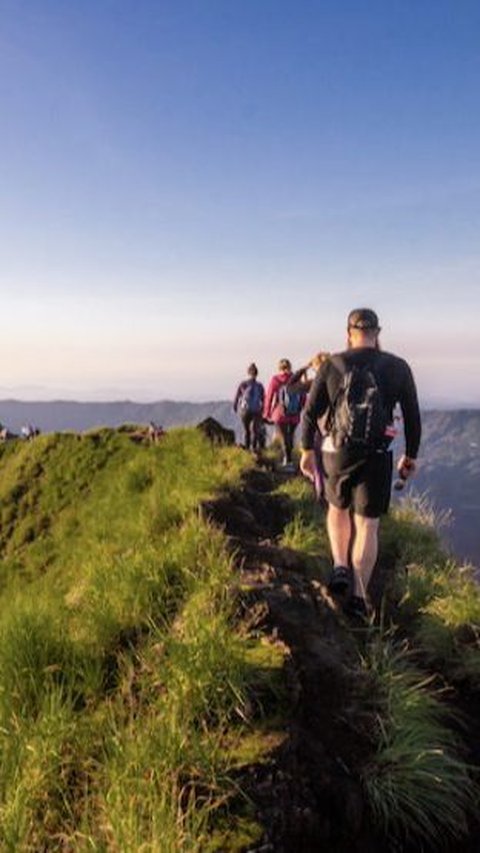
column 283, row 407
column 28, row 432
column 302, row 381
column 5, row 434
column 155, row 432
column 357, row 391
column 248, row 403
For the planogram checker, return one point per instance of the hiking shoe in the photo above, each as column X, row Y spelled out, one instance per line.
column 358, row 608
column 340, row 581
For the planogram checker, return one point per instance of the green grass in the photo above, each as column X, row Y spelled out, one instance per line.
column 306, row 531
column 130, row 698
column 120, row 666
column 449, row 630
column 418, row 784
column 409, row 538
column 440, row 600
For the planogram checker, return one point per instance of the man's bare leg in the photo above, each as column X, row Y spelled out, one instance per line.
column 339, row 527
column 364, row 552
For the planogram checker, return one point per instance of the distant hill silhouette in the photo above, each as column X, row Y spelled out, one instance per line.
column 450, row 454
column 60, row 415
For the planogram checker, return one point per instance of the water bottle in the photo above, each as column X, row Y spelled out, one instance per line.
column 401, row 480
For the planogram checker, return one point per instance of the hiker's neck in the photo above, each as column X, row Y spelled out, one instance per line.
column 361, row 340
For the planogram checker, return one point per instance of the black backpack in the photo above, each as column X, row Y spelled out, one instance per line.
column 358, row 417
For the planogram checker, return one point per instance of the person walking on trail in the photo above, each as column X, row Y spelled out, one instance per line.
column 248, row 403
column 357, row 391
column 283, row 408
column 302, row 381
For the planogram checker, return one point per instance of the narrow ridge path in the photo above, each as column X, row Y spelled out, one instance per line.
column 308, row 796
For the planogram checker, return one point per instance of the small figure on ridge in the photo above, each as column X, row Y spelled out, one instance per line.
column 248, row 403
column 283, row 407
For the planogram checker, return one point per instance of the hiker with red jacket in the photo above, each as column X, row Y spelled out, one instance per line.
column 248, row 403
column 283, row 407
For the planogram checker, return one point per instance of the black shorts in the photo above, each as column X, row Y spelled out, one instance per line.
column 361, row 483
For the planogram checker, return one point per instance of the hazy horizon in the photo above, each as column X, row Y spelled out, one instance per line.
column 66, row 397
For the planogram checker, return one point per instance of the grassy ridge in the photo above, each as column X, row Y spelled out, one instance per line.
column 125, row 678
column 119, row 667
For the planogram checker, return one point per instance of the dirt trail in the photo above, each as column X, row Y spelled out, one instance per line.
column 307, row 796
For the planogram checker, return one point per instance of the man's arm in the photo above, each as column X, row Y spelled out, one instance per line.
column 411, row 414
column 262, row 396
column 297, row 381
column 412, row 423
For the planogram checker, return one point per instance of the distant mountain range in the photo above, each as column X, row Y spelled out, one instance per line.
column 450, row 473
column 59, row 415
column 450, row 456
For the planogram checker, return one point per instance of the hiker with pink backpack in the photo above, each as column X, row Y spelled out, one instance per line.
column 283, row 406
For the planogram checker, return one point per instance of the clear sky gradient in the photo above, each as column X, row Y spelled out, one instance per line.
column 189, row 185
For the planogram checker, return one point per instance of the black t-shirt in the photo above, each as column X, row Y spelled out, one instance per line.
column 395, row 382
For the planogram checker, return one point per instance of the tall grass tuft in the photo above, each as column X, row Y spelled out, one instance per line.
column 418, row 784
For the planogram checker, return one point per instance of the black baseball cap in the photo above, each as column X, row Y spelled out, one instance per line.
column 363, row 318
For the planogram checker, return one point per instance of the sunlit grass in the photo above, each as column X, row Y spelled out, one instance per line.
column 107, row 744
column 449, row 630
column 418, row 785
column 306, row 530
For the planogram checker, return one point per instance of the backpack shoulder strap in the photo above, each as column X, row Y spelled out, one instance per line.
column 339, row 363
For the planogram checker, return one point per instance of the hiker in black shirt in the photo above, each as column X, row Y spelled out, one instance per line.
column 356, row 391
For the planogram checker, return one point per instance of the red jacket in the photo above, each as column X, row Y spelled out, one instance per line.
column 273, row 411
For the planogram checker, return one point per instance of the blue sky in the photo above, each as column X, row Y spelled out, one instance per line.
column 188, row 185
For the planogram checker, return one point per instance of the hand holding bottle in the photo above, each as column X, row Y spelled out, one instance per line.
column 405, row 467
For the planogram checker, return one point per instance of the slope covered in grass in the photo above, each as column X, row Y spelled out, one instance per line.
column 120, row 668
